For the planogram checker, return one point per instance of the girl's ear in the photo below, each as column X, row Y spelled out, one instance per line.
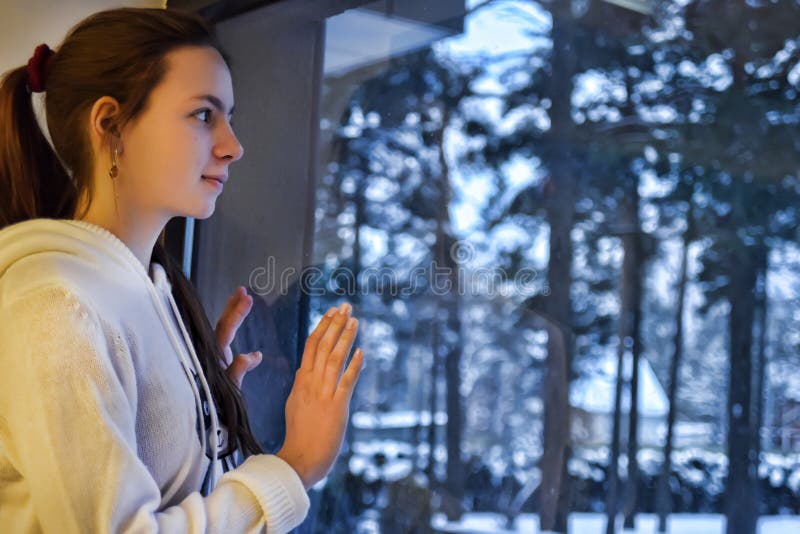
column 103, row 119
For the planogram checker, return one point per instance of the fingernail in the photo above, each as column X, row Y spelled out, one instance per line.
column 343, row 308
column 351, row 323
column 331, row 312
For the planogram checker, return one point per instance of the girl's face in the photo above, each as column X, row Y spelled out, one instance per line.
column 182, row 135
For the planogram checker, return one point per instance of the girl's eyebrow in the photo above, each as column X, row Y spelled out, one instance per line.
column 216, row 102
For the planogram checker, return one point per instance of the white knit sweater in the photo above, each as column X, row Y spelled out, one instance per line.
column 99, row 403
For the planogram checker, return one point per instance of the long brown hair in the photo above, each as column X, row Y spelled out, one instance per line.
column 119, row 53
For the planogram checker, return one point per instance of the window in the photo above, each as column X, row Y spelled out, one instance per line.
column 535, row 209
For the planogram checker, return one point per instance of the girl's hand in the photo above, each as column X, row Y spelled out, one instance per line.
column 319, row 403
column 237, row 308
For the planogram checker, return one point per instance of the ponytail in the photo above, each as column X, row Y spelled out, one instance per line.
column 32, row 180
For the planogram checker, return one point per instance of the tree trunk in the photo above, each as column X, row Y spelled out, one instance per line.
column 742, row 271
column 664, row 494
column 740, row 489
column 451, row 323
column 740, row 494
column 355, row 298
column 632, row 271
column 559, row 358
column 433, row 404
column 761, row 364
column 560, row 202
column 612, row 488
column 629, row 322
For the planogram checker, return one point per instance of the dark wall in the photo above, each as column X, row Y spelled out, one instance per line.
column 263, row 219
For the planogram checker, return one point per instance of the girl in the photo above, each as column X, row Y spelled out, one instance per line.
column 119, row 404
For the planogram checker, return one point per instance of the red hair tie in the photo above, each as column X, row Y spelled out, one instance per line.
column 37, row 68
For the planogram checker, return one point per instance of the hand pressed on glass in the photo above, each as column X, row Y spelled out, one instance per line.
column 236, row 309
column 319, row 403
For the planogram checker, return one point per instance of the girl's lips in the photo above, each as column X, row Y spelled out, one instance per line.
column 213, row 181
column 221, row 178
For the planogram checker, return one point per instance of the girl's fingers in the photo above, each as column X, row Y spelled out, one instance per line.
column 232, row 316
column 335, row 361
column 310, row 350
column 344, row 391
column 243, row 364
column 330, row 337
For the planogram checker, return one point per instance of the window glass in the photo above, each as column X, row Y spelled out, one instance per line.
column 536, row 209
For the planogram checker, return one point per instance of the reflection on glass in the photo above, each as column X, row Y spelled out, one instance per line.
column 537, row 208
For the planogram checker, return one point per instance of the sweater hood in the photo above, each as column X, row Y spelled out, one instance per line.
column 83, row 240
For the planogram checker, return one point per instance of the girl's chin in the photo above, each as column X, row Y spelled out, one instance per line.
column 207, row 214
column 200, row 214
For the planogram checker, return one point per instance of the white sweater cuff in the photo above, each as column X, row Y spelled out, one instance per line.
column 278, row 489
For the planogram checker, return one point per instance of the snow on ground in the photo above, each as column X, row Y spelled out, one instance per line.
column 480, row 523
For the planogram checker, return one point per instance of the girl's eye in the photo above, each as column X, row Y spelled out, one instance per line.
column 203, row 111
column 209, row 119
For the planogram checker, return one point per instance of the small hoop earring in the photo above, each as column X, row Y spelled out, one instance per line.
column 114, row 170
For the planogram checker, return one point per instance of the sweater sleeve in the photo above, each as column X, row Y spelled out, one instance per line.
column 68, row 427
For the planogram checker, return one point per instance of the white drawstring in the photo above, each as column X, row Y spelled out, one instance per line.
column 160, row 279
column 212, row 407
column 184, row 364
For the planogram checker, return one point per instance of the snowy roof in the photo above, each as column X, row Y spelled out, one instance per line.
column 595, row 393
column 396, row 419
